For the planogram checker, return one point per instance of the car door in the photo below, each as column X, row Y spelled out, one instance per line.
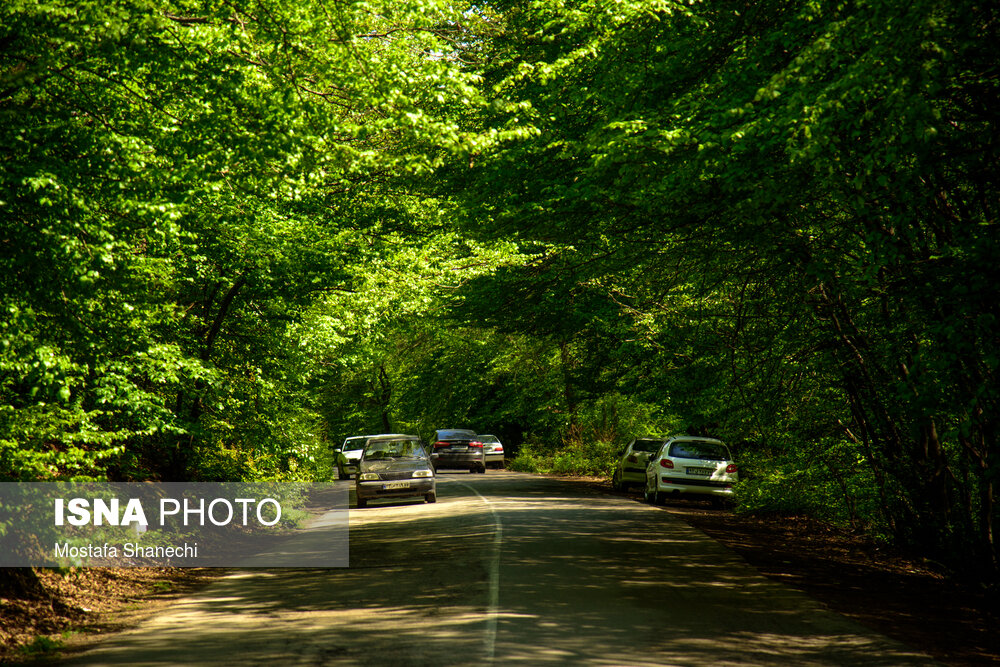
column 639, row 452
column 653, row 465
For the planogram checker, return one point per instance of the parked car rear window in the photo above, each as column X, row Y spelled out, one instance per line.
column 455, row 434
column 711, row 451
column 646, row 445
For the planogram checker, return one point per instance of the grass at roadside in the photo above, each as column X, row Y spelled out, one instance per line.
column 586, row 458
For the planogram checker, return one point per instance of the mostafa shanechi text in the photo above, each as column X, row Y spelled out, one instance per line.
column 126, row 550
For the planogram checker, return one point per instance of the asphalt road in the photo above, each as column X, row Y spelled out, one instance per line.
column 507, row 569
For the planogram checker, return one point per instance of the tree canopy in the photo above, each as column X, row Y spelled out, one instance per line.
column 235, row 234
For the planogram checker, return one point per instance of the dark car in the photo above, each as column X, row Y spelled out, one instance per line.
column 458, row 448
column 394, row 466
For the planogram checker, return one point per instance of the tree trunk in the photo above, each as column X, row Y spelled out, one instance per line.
column 384, row 398
column 569, row 395
column 986, row 512
column 176, row 468
column 21, row 583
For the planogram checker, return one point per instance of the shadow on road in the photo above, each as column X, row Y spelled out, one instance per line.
column 583, row 579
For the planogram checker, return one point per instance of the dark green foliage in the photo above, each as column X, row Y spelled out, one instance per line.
column 791, row 210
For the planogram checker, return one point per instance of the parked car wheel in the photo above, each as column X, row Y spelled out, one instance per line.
column 431, row 497
column 616, row 481
column 652, row 496
column 362, row 503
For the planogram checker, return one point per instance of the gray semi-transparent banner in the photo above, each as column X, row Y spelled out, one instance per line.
column 203, row 524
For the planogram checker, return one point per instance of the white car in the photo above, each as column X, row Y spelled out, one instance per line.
column 631, row 468
column 493, row 449
column 691, row 466
column 348, row 455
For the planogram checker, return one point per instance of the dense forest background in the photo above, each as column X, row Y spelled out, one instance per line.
column 232, row 234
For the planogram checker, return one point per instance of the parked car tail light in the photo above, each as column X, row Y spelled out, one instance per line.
column 476, row 444
column 732, row 467
column 632, row 458
column 666, row 463
column 441, row 443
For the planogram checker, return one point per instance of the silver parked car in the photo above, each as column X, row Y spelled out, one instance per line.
column 394, row 466
column 493, row 449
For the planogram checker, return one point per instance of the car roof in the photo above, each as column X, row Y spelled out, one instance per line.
column 696, row 438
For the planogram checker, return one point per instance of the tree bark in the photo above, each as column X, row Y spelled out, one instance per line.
column 569, row 395
column 21, row 583
column 384, row 398
column 177, row 468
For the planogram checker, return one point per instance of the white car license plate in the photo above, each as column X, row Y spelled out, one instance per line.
column 700, row 471
column 395, row 485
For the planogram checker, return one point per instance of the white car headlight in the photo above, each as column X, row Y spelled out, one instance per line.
column 368, row 476
column 422, row 473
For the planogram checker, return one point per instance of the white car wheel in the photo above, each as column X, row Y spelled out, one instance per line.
column 616, row 481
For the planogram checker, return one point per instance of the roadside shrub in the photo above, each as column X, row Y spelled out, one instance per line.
column 591, row 444
column 590, row 458
column 826, row 480
column 42, row 646
column 585, row 457
column 526, row 460
column 785, row 491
